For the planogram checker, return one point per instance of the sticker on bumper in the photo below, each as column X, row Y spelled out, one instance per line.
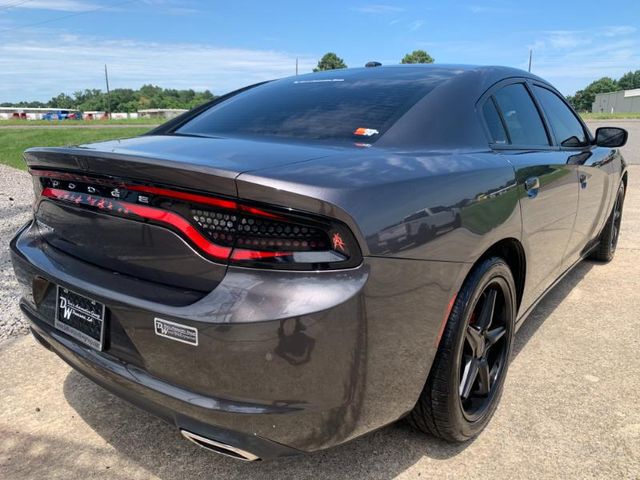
column 176, row 331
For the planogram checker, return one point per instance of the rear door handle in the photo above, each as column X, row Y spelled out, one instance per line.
column 532, row 185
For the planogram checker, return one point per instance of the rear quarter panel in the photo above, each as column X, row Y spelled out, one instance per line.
column 378, row 194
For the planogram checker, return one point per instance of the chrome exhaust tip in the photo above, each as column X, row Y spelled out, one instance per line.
column 219, row 447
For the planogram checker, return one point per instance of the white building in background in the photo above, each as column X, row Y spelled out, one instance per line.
column 101, row 115
column 8, row 113
column 165, row 113
column 623, row 101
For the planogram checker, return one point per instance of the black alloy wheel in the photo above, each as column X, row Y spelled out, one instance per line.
column 617, row 219
column 608, row 241
column 484, row 352
column 467, row 376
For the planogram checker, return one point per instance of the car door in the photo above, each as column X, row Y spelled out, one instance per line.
column 594, row 169
column 547, row 183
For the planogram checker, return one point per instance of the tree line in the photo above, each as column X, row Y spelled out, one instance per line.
column 122, row 99
column 583, row 99
column 151, row 96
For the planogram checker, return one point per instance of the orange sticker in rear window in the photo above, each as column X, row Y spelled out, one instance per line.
column 365, row 132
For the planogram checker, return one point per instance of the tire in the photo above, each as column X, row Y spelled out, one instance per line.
column 442, row 408
column 608, row 242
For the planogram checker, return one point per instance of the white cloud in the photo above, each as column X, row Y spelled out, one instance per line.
column 569, row 59
column 567, row 39
column 61, row 5
column 39, row 69
column 495, row 8
column 618, row 30
column 573, row 59
column 483, row 9
column 416, row 25
column 378, row 8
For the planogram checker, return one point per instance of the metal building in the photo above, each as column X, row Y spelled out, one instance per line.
column 624, row 101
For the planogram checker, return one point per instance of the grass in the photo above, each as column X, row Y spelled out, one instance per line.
column 15, row 141
column 71, row 123
column 609, row 116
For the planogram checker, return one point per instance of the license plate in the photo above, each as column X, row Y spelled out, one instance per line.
column 80, row 317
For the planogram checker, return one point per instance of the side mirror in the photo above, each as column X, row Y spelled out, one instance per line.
column 611, row 137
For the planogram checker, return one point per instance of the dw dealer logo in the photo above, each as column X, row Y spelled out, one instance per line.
column 176, row 331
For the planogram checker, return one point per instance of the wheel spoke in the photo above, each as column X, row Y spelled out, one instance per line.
column 493, row 373
column 469, row 375
column 475, row 340
column 495, row 334
column 486, row 314
column 485, row 377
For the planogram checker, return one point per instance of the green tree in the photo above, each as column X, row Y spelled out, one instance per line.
column 62, row 101
column 330, row 61
column 629, row 80
column 583, row 99
column 124, row 99
column 417, row 56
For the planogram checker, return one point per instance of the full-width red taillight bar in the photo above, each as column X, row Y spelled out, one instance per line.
column 163, row 192
column 148, row 213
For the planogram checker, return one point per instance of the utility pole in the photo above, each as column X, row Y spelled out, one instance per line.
column 530, row 55
column 106, row 77
column 296, row 65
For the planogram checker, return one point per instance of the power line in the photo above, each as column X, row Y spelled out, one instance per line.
column 63, row 17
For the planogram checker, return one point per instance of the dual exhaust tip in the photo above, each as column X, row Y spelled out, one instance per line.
column 219, row 447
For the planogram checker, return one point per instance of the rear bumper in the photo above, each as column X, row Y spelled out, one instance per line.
column 287, row 361
column 173, row 404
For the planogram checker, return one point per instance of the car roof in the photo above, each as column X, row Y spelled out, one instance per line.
column 483, row 75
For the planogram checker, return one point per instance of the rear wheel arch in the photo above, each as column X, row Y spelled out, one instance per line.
column 512, row 252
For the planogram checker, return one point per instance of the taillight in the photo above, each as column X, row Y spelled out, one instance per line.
column 220, row 228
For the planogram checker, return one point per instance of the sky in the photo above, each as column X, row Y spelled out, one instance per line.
column 53, row 46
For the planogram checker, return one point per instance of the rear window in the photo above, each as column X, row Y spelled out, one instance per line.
column 492, row 117
column 339, row 105
column 521, row 116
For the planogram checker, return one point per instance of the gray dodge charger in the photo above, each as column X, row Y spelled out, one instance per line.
column 302, row 261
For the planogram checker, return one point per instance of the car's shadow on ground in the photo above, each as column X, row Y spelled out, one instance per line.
column 159, row 449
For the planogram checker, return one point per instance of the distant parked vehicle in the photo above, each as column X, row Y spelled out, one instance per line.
column 62, row 115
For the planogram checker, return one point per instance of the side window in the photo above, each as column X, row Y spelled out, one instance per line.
column 492, row 117
column 521, row 116
column 566, row 127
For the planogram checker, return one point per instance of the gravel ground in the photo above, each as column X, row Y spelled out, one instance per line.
column 15, row 205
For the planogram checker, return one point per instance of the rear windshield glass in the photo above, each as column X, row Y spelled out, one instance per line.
column 352, row 105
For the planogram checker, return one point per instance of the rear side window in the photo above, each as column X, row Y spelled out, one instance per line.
column 356, row 106
column 492, row 117
column 566, row 127
column 521, row 116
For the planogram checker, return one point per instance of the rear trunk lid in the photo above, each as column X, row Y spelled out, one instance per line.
column 102, row 171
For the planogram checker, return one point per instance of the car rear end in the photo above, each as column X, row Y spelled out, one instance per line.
column 258, row 329
column 225, row 317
